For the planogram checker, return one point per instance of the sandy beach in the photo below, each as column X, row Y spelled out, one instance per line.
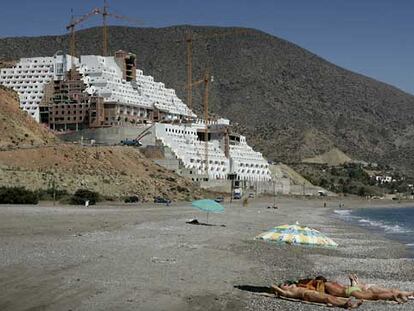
column 145, row 257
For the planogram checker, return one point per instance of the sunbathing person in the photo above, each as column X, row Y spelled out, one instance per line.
column 293, row 291
column 339, row 290
column 353, row 278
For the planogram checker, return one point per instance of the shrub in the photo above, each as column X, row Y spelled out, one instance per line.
column 182, row 189
column 47, row 194
column 131, row 199
column 83, row 195
column 362, row 191
column 18, row 195
column 324, row 183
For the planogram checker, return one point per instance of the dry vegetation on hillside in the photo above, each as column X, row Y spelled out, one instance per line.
column 111, row 171
column 16, row 128
column 32, row 157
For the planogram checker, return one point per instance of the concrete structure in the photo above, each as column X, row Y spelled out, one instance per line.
column 29, row 76
column 71, row 94
column 188, row 144
column 127, row 94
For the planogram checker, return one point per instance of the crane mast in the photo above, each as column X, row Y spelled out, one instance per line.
column 206, row 118
column 189, row 41
column 105, row 35
column 72, row 42
column 105, row 38
column 207, row 78
column 72, row 37
column 189, row 71
column 104, row 30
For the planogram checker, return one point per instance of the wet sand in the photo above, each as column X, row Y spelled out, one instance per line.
column 148, row 258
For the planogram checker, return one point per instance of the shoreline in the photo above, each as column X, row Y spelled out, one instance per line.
column 379, row 204
column 106, row 257
column 394, row 231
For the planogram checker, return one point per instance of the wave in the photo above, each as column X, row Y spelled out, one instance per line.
column 387, row 227
column 410, row 244
column 343, row 212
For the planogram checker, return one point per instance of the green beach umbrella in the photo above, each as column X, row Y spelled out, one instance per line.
column 209, row 206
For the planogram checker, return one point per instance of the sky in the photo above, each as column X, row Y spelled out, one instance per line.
column 371, row 37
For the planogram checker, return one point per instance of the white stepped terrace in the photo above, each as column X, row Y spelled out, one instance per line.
column 103, row 77
column 183, row 141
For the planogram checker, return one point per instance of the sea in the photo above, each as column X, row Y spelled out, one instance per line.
column 395, row 223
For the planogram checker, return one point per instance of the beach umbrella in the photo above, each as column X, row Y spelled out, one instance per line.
column 297, row 235
column 209, row 206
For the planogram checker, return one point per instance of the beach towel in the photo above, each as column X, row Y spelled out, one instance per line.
column 312, row 284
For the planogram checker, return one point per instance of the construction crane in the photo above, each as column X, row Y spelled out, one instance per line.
column 71, row 28
column 207, row 78
column 105, row 13
column 189, row 42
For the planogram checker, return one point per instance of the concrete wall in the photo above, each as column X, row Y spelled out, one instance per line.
column 217, row 185
column 107, row 136
column 260, row 187
column 169, row 164
column 309, row 190
column 277, row 185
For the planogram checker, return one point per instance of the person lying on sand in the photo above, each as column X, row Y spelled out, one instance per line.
column 293, row 291
column 353, row 278
column 357, row 290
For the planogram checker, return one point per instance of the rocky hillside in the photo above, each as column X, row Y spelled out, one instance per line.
column 111, row 171
column 32, row 157
column 16, row 129
column 289, row 102
column 332, row 157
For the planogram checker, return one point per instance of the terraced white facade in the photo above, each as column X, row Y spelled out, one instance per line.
column 243, row 160
column 247, row 163
column 140, row 96
column 104, row 78
column 29, row 76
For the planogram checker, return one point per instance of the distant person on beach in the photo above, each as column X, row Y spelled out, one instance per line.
column 293, row 291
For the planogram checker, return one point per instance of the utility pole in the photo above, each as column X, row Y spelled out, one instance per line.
column 54, row 190
column 231, row 191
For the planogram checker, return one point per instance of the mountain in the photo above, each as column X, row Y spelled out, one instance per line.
column 290, row 103
column 333, row 157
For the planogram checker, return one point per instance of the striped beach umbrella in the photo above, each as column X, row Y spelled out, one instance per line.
column 297, row 235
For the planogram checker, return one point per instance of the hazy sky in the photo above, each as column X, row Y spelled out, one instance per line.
column 372, row 37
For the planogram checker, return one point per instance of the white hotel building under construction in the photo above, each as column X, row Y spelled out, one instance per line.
column 94, row 93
